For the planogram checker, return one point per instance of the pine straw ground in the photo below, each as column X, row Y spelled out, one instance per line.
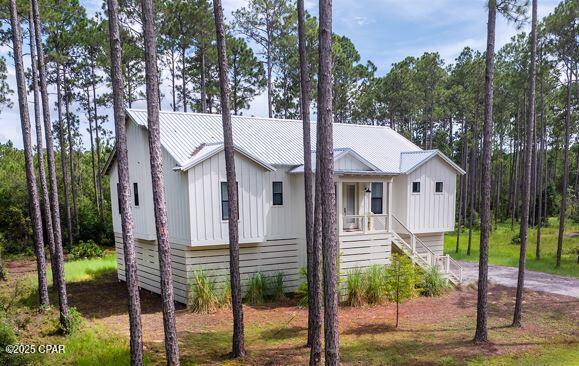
column 433, row 331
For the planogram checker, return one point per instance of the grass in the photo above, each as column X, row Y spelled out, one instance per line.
column 503, row 252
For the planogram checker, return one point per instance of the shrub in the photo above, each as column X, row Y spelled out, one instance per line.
column 204, row 298
column 275, row 287
column 86, row 250
column 256, row 289
column 401, row 276
column 516, row 240
column 432, row 283
column 302, row 290
column 375, row 279
column 73, row 321
column 355, row 287
column 225, row 295
column 8, row 336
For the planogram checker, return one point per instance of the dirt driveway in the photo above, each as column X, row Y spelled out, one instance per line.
column 537, row 281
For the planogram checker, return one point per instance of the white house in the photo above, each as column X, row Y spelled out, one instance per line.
column 391, row 195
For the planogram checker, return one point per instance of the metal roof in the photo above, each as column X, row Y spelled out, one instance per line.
column 275, row 141
column 411, row 160
column 338, row 154
column 205, row 151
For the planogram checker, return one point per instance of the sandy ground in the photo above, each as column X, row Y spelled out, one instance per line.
column 536, row 281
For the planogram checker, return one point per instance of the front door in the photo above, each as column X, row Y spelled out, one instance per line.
column 351, row 223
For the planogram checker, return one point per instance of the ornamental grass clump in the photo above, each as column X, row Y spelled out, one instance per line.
column 204, row 298
column 256, row 289
column 355, row 287
column 432, row 283
column 375, row 284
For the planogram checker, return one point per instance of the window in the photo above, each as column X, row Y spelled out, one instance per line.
column 225, row 201
column 415, row 187
column 277, row 189
column 439, row 187
column 136, row 193
column 119, row 196
column 377, row 197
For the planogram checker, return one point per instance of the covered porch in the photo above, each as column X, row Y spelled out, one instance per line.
column 364, row 204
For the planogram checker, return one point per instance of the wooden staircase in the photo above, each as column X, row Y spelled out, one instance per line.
column 408, row 243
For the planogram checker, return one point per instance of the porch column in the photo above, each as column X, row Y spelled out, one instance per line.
column 390, row 205
column 340, row 206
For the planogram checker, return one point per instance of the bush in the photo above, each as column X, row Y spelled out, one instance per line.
column 204, row 294
column 225, row 295
column 355, row 287
column 275, row 287
column 8, row 336
column 375, row 279
column 256, row 289
column 432, row 283
column 516, row 239
column 302, row 290
column 86, row 250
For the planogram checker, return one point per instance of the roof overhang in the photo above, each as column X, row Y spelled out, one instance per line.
column 427, row 156
column 206, row 151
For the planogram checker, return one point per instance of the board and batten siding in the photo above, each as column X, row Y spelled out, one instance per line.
column 204, row 185
column 349, row 163
column 429, row 211
column 176, row 192
column 434, row 241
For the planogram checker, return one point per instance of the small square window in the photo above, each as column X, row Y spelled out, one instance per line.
column 277, row 189
column 439, row 187
column 415, row 187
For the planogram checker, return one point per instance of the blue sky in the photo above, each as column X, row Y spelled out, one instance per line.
column 384, row 31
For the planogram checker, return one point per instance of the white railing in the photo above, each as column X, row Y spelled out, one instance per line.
column 365, row 223
column 422, row 254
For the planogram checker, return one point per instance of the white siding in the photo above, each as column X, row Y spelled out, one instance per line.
column 282, row 220
column 434, row 241
column 269, row 258
column 140, row 172
column 429, row 211
column 347, row 162
column 400, row 198
column 207, row 226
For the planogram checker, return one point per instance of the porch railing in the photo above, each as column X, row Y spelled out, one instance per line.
column 365, row 223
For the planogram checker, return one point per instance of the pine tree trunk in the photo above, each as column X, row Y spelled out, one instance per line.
column 473, row 180
column 159, row 202
column 540, row 164
column 462, row 183
column 53, row 231
column 203, row 83
column 526, row 193
column 563, row 210
column 499, row 179
column 65, row 184
column 238, row 344
column 97, row 143
column 269, row 77
column 328, row 199
column 482, row 310
column 34, row 201
column 309, row 211
column 92, row 152
column 70, row 141
column 45, row 201
column 183, row 80
column 129, row 253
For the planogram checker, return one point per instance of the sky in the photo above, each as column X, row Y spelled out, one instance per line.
column 383, row 31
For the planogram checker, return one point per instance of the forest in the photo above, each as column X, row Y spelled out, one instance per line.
column 79, row 69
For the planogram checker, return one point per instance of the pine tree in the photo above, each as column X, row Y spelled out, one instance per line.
column 129, row 252
column 34, row 201
column 238, row 346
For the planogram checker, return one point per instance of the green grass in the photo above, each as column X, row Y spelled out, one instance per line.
column 88, row 269
column 551, row 355
column 503, row 252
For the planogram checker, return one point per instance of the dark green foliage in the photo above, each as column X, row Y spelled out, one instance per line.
column 302, row 290
column 432, row 283
column 256, row 289
column 375, row 289
column 275, row 287
column 72, row 324
column 86, row 250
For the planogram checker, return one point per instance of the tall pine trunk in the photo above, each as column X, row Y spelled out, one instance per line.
column 541, row 163
column 563, row 210
column 52, row 206
column 203, row 88
column 159, row 201
column 481, row 334
column 462, row 185
column 70, row 142
column 238, row 344
column 309, row 211
column 526, row 192
column 472, row 182
column 328, row 196
column 62, row 144
column 34, row 201
column 123, row 193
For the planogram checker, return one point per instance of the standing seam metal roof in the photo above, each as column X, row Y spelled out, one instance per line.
column 275, row 141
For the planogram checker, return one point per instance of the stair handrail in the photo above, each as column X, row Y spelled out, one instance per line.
column 416, row 240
